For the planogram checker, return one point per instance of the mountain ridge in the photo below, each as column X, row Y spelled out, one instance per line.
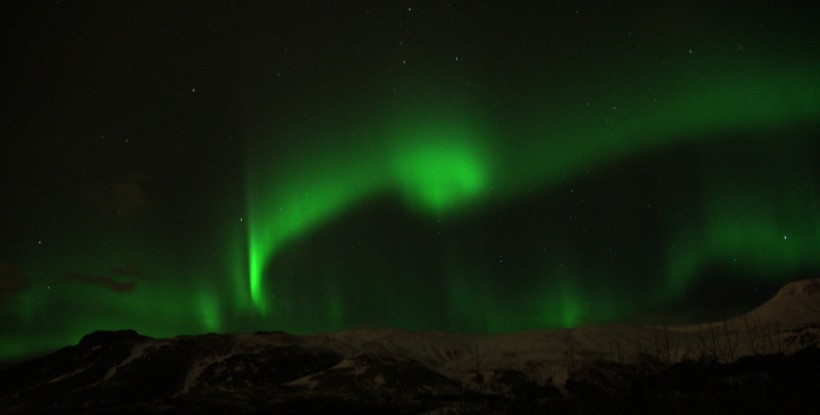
column 395, row 370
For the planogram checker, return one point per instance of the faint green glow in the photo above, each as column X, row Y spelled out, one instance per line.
column 555, row 298
column 571, row 309
column 696, row 105
column 152, row 309
column 57, row 311
column 756, row 220
column 209, row 311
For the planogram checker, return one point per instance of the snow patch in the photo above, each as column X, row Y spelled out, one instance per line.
column 136, row 352
column 68, row 375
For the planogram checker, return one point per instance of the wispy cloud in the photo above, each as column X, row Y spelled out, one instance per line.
column 102, row 281
column 131, row 271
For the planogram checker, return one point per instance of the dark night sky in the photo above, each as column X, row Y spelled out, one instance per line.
column 182, row 167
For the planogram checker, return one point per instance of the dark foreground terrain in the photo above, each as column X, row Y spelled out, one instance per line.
column 102, row 375
column 764, row 362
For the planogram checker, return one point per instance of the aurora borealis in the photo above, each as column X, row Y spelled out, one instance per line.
column 427, row 166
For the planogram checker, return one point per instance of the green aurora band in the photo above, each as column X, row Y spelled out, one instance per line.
column 455, row 158
column 446, row 156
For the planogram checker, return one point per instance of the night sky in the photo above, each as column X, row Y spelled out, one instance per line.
column 183, row 167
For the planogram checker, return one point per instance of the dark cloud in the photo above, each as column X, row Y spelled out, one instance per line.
column 12, row 282
column 102, row 281
column 131, row 271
